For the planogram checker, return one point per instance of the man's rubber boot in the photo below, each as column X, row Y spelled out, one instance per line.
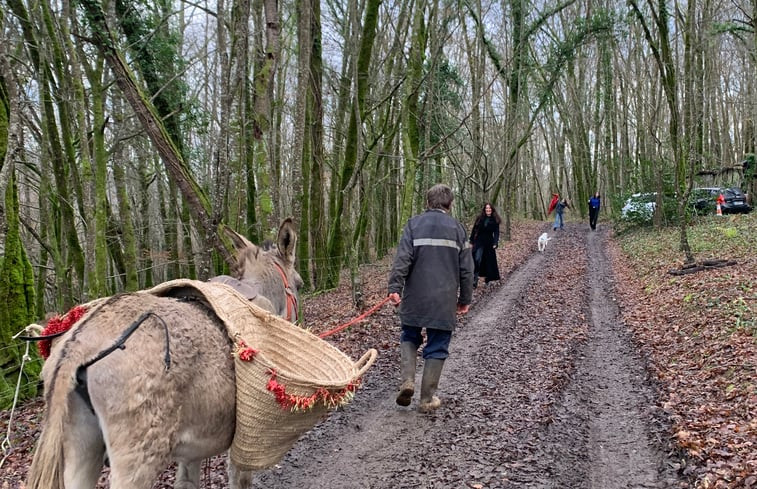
column 408, row 354
column 432, row 370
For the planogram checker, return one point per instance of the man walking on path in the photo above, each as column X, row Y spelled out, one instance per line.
column 433, row 262
column 559, row 208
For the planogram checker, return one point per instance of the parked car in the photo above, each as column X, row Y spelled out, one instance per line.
column 639, row 207
column 704, row 200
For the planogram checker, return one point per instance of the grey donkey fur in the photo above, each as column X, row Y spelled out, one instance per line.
column 142, row 412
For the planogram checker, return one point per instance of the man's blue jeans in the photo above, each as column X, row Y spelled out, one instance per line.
column 437, row 345
column 558, row 220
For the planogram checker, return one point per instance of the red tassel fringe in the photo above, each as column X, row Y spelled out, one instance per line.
column 59, row 324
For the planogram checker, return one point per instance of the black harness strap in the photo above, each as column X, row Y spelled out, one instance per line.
column 42, row 337
column 81, row 371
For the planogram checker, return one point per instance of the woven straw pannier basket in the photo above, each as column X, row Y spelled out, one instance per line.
column 287, row 378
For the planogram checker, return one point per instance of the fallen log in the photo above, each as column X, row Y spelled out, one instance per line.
column 694, row 267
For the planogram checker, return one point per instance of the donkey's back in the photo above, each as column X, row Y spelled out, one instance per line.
column 145, row 380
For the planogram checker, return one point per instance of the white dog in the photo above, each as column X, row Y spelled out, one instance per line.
column 543, row 239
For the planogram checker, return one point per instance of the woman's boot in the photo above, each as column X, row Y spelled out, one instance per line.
column 408, row 354
column 432, row 370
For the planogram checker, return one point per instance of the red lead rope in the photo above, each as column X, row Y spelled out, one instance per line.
column 356, row 320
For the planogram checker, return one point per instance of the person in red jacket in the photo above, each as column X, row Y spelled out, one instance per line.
column 553, row 203
column 559, row 209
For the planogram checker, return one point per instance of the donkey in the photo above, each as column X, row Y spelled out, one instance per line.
column 166, row 393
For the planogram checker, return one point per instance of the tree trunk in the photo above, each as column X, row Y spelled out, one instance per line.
column 411, row 137
column 337, row 231
column 663, row 56
column 17, row 290
column 301, row 147
column 316, row 181
column 197, row 201
column 17, row 303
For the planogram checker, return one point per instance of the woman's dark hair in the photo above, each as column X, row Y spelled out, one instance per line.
column 483, row 213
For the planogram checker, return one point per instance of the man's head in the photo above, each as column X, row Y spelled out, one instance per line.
column 439, row 197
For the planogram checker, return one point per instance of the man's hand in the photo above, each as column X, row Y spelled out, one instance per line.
column 462, row 308
column 394, row 298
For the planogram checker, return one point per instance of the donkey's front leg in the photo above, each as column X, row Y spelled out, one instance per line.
column 238, row 478
column 188, row 475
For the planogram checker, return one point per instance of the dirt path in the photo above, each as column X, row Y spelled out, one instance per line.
column 543, row 389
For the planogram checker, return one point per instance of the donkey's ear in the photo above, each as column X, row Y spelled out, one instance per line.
column 287, row 240
column 240, row 242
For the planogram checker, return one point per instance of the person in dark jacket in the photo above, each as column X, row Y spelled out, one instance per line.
column 431, row 281
column 484, row 238
column 594, row 204
column 559, row 208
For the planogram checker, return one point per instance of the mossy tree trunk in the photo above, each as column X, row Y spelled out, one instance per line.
column 248, row 141
column 314, row 127
column 99, row 176
column 93, row 171
column 411, row 137
column 267, row 169
column 17, row 302
column 337, row 230
column 301, row 147
column 17, row 289
column 198, row 203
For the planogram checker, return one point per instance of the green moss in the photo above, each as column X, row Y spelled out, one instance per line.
column 17, row 306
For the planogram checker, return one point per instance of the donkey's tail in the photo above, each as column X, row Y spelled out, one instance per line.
column 46, row 471
column 59, row 375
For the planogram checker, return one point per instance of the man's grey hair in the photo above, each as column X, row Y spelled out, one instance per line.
column 439, row 197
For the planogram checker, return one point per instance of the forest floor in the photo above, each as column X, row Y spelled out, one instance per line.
column 571, row 372
column 543, row 388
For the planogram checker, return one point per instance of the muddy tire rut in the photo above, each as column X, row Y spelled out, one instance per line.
column 543, row 389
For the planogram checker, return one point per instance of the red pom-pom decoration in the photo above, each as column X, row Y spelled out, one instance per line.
column 59, row 324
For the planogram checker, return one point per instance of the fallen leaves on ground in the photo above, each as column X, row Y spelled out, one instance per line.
column 699, row 332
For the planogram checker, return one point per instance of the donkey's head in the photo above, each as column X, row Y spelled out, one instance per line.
column 271, row 270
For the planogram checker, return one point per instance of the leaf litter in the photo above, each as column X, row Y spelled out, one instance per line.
column 522, row 394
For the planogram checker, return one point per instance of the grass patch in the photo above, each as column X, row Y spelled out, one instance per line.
column 731, row 237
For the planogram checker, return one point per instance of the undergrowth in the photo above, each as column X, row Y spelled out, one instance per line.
column 700, row 333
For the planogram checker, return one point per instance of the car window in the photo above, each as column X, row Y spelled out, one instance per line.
column 644, row 198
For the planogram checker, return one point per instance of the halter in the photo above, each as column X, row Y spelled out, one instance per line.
column 291, row 298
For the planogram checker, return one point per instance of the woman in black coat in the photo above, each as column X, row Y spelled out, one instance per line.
column 484, row 238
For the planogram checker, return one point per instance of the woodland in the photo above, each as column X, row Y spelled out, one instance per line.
column 133, row 132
